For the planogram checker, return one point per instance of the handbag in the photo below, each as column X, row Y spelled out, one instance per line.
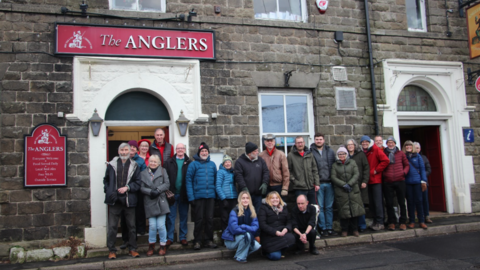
column 170, row 195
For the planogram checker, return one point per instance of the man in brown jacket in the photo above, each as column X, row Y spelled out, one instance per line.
column 277, row 165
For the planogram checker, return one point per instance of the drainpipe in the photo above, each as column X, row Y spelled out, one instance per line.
column 372, row 71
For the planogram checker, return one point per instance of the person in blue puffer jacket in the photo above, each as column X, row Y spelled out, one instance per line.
column 200, row 183
column 226, row 190
column 242, row 225
column 416, row 182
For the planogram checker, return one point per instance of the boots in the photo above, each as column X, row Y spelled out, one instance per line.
column 163, row 250
column 151, row 249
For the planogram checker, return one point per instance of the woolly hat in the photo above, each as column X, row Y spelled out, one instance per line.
column 365, row 138
column 144, row 140
column 226, row 158
column 133, row 143
column 203, row 146
column 250, row 147
column 391, row 139
column 342, row 149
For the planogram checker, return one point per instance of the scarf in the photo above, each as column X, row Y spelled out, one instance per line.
column 278, row 209
column 271, row 153
column 391, row 154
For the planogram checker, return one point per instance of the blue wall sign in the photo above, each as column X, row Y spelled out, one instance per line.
column 468, row 135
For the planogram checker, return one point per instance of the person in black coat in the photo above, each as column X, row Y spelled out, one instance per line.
column 304, row 216
column 275, row 227
column 179, row 188
column 428, row 171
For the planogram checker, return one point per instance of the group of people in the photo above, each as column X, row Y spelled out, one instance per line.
column 252, row 193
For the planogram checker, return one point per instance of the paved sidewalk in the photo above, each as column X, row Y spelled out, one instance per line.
column 97, row 258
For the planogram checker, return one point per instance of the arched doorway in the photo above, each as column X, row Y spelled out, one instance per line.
column 414, row 98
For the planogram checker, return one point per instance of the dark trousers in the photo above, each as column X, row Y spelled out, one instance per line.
column 414, row 202
column 426, row 210
column 311, row 237
column 227, row 206
column 375, row 201
column 310, row 193
column 114, row 213
column 349, row 224
column 257, row 203
column 390, row 190
column 203, row 210
column 278, row 189
column 140, row 219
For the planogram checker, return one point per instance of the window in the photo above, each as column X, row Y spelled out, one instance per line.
column 138, row 5
column 287, row 115
column 288, row 10
column 416, row 15
column 414, row 98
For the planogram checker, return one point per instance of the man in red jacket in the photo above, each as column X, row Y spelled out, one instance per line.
column 394, row 183
column 378, row 161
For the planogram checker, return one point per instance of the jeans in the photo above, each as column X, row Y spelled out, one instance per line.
column 157, row 224
column 203, row 210
column 375, row 200
column 414, row 202
column 274, row 256
column 325, row 197
column 243, row 249
column 426, row 211
column 257, row 203
column 362, row 224
column 183, row 212
column 399, row 189
column 310, row 193
column 114, row 213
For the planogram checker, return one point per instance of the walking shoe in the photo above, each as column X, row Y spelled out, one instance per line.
column 112, row 255
column 151, row 249
column 344, row 234
column 428, row 220
column 314, row 251
column 423, row 226
column 183, row 242
column 323, row 233
column 169, row 243
column 134, row 254
column 355, row 233
column 241, row 260
column 318, row 237
column 332, row 233
column 391, row 227
column 411, row 225
column 210, row 244
column 197, row 246
column 163, row 250
column 124, row 245
column 403, row 227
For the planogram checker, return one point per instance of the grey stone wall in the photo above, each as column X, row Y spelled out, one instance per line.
column 35, row 85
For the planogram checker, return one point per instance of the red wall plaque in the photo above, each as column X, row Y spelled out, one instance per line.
column 45, row 157
column 81, row 39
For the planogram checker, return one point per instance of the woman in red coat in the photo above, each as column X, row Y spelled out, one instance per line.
column 378, row 161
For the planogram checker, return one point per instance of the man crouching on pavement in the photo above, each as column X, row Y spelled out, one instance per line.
column 303, row 224
column 121, row 184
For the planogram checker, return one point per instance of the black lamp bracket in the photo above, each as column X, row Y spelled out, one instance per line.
column 287, row 76
column 470, row 74
column 462, row 4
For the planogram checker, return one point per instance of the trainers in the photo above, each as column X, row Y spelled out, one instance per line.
column 403, row 227
column 241, row 260
column 391, row 227
column 197, row 246
column 423, row 226
column 332, row 233
column 134, row 254
column 112, row 255
column 428, row 220
column 411, row 225
column 210, row 244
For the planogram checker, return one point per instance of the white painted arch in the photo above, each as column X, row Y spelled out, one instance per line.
column 98, row 81
column 444, row 82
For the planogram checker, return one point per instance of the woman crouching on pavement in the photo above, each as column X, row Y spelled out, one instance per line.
column 154, row 184
column 347, row 193
column 242, row 225
column 275, row 227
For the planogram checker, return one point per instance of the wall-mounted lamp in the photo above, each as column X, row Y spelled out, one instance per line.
column 191, row 14
column 182, row 124
column 95, row 123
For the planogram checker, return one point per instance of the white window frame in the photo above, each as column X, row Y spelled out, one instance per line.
column 311, row 122
column 303, row 8
column 163, row 5
column 422, row 14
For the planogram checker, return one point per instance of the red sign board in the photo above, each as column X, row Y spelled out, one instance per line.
column 45, row 157
column 477, row 84
column 81, row 39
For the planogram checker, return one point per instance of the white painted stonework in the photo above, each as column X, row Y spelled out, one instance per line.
column 444, row 81
column 97, row 81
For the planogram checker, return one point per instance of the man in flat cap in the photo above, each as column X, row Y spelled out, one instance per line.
column 277, row 165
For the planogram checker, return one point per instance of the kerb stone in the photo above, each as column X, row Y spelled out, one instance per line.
column 193, row 257
column 474, row 226
column 62, row 252
column 17, row 255
column 436, row 230
column 81, row 266
column 348, row 240
column 379, row 237
column 39, row 255
column 135, row 263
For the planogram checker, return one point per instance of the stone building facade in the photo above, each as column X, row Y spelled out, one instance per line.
column 252, row 57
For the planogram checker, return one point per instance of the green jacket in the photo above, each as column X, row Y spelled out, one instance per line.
column 364, row 172
column 303, row 170
column 348, row 204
